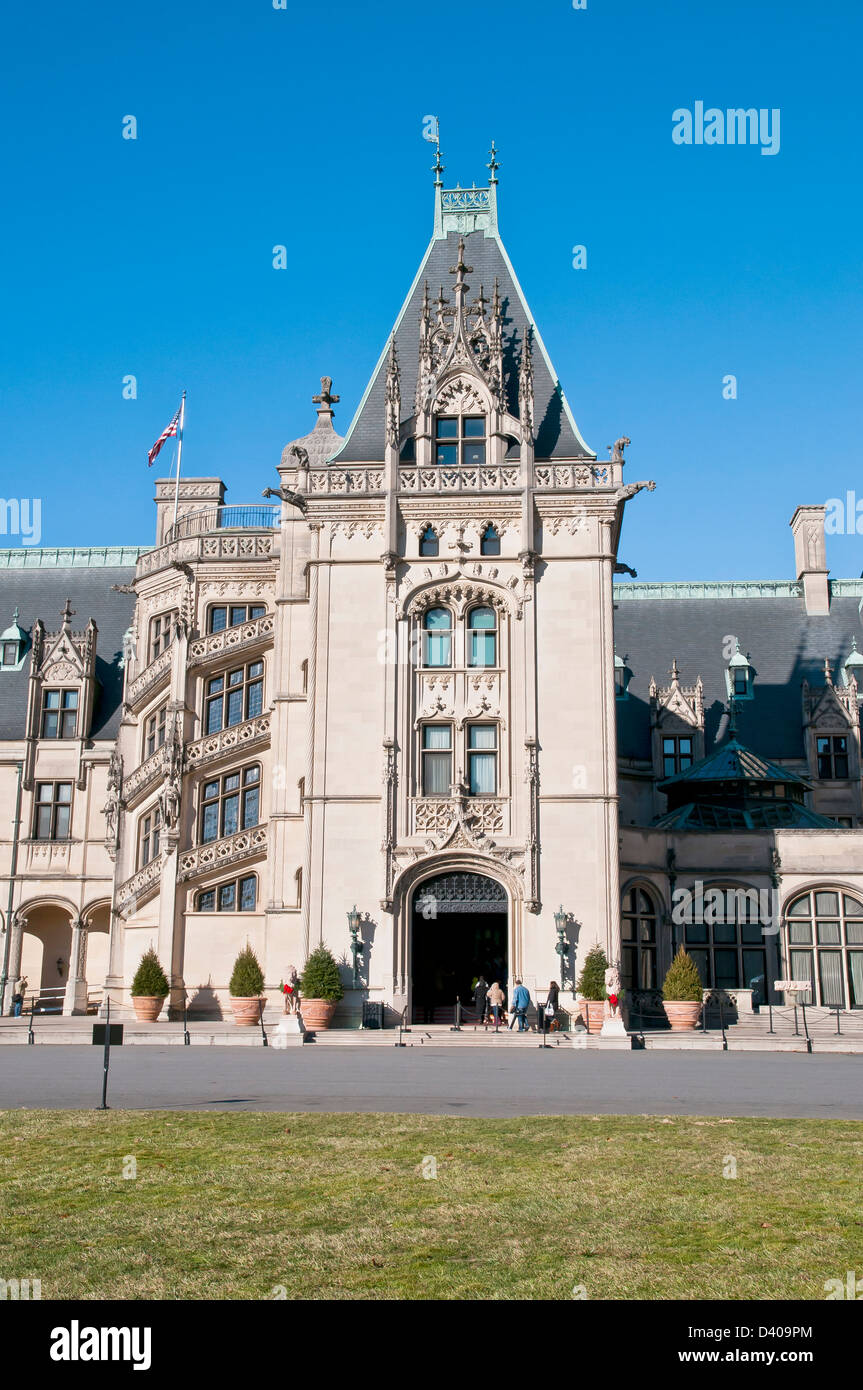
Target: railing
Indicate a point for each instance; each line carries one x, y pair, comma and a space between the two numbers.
231, 849
230, 639
244, 517
211, 746
464, 478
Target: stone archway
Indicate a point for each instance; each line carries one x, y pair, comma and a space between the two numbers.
459, 929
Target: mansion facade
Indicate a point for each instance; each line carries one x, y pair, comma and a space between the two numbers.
404, 707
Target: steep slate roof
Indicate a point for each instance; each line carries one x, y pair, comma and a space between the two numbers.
785, 645
557, 434
40, 592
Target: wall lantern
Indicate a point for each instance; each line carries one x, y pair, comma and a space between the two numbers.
357, 947
561, 920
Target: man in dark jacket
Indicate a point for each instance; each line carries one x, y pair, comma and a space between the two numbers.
480, 990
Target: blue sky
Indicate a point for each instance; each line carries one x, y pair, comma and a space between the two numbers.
303, 127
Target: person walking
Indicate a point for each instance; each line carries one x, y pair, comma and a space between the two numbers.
19, 996
550, 1007
496, 1000
520, 1004
480, 994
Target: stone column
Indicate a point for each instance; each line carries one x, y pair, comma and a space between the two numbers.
16, 926
75, 998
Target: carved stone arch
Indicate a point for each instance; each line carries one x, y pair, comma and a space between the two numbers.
461, 393
459, 594
410, 878
48, 900
89, 912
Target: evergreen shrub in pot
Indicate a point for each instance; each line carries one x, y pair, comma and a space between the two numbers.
682, 993
320, 988
591, 986
247, 988
149, 988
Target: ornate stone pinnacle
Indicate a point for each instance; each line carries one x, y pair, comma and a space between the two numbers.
438, 167
68, 613
325, 399
493, 164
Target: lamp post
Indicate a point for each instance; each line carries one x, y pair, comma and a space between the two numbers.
561, 919
356, 945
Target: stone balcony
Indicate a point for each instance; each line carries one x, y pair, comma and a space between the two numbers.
228, 641
248, 532
251, 733
223, 854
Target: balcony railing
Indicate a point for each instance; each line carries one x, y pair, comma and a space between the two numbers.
247, 517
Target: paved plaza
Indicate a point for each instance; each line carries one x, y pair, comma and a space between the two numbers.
482, 1081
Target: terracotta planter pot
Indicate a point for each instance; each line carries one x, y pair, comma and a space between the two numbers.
247, 1011
147, 1006
317, 1012
682, 1014
595, 1014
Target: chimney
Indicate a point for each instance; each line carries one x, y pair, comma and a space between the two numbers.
807, 526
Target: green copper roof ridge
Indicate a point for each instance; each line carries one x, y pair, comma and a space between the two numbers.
72, 556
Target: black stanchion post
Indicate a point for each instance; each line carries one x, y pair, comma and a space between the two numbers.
106, 1060
770, 1012
838, 1029
186, 1038
30, 1035
261, 1021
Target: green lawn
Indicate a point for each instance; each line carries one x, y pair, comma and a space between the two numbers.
336, 1206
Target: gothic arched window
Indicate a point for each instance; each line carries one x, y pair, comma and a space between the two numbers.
482, 637
459, 439
639, 919
438, 637
825, 946
429, 543
489, 541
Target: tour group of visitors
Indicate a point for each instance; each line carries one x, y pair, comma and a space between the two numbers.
490, 1003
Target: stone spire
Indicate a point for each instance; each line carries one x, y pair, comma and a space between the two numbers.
393, 396
525, 385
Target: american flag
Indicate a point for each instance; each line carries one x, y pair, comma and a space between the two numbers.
166, 434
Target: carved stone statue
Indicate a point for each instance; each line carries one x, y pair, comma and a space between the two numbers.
612, 989
292, 991
169, 802
619, 446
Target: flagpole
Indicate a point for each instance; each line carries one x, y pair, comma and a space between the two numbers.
179, 455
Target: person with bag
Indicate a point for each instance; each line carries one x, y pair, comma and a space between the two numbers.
480, 994
550, 1007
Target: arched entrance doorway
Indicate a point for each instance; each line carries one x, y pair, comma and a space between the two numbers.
459, 931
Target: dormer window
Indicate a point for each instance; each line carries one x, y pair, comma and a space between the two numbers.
740, 676
622, 677
459, 439
852, 667
59, 713
13, 643
489, 543
429, 543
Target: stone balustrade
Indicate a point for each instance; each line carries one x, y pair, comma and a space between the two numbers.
213, 746
230, 640
230, 850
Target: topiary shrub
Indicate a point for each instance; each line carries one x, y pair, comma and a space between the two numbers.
247, 980
321, 978
591, 981
682, 984
150, 978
